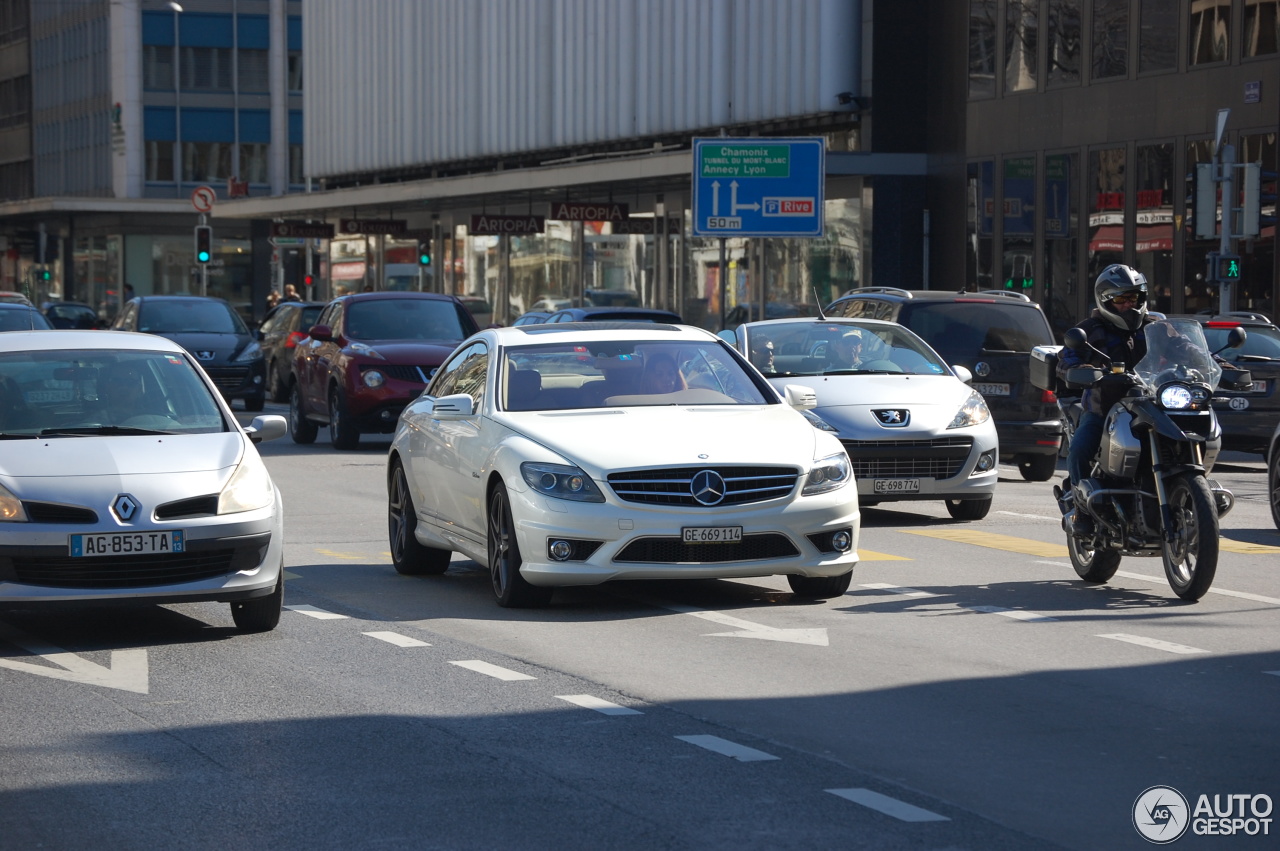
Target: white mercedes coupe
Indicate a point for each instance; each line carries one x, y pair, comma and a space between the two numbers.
578, 453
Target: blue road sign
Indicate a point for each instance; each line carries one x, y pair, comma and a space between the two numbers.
758, 186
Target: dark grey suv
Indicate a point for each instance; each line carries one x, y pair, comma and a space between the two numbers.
990, 333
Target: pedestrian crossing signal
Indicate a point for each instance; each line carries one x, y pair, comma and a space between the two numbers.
1228, 268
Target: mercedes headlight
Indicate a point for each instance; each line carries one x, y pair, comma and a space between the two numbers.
1175, 397
249, 488
973, 412
11, 510
562, 481
828, 474
251, 352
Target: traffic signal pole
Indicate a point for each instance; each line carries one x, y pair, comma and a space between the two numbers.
204, 267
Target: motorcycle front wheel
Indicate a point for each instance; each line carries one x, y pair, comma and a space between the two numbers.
1091, 565
1191, 558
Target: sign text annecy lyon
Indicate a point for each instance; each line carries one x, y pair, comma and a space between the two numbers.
483, 225
753, 161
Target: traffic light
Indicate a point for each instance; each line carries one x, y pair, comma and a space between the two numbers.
1228, 268
44, 274
424, 252
204, 244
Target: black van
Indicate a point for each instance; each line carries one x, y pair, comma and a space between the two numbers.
990, 333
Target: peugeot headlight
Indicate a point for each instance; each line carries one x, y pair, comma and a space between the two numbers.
818, 422
11, 510
249, 488
827, 474
251, 352
366, 350
973, 412
562, 481
1175, 397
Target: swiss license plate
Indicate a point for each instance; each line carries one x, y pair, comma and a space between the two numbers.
991, 389
1259, 386
711, 534
897, 486
126, 544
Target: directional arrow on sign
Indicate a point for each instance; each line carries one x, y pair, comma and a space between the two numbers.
127, 671
734, 206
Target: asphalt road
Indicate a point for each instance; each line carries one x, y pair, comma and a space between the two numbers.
967, 692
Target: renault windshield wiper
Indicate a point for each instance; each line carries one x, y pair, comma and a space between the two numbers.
100, 429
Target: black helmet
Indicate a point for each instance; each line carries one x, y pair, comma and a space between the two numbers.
1118, 279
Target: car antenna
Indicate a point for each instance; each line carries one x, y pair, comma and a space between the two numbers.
817, 301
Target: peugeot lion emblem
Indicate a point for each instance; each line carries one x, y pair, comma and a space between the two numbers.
204, 355
707, 487
982, 368
124, 506
893, 417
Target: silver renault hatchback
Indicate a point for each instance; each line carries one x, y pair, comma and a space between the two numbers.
125, 476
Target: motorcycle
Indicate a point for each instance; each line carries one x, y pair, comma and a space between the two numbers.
1148, 493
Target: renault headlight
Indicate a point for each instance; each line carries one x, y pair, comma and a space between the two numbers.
561, 481
11, 510
1175, 397
249, 489
828, 474
973, 412
251, 352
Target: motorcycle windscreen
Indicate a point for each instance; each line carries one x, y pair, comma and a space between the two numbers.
1178, 351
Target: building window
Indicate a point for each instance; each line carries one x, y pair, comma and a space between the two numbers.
296, 175
1210, 32
1261, 27
253, 162
1063, 34
204, 161
1021, 37
15, 181
15, 101
1157, 36
160, 161
1110, 38
1061, 220
205, 69
981, 204
157, 67
1106, 209
13, 21
1154, 243
295, 70
253, 71
982, 48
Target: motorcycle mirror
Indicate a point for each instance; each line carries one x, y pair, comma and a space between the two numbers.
1075, 339
1235, 339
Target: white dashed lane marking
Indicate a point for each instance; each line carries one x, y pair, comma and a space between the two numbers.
895, 589
1154, 643
312, 611
1016, 614
492, 670
741, 753
587, 701
900, 810
397, 639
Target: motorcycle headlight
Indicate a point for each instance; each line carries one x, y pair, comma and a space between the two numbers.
561, 481
249, 488
973, 412
251, 352
11, 510
827, 474
818, 422
1175, 397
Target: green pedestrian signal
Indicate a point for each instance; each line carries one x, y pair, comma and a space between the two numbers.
1228, 268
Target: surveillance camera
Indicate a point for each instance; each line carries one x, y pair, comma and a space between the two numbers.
845, 98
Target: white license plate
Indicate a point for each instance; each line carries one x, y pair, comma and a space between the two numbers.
991, 389
126, 544
897, 486
1259, 386
711, 534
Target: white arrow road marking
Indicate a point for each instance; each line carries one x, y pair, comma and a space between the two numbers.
397, 639
889, 806
588, 701
741, 753
1154, 643
127, 672
492, 670
318, 614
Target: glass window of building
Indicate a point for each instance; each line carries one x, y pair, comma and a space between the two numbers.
1157, 36
1021, 37
295, 71
1110, 38
159, 161
297, 175
253, 162
1106, 209
1154, 214
203, 161
981, 205
1210, 32
252, 71
1062, 32
982, 48
1061, 218
1197, 293
1258, 266
1019, 207
205, 68
1261, 27
157, 67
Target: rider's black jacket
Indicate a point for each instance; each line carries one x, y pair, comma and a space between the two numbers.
1127, 346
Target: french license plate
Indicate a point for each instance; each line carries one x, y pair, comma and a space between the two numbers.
897, 486
126, 544
711, 534
991, 389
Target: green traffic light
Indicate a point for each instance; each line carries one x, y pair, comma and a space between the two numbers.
203, 257
424, 259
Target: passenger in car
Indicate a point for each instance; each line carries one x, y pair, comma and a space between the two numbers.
661, 375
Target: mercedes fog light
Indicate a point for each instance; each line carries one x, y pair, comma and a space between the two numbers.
561, 550
842, 540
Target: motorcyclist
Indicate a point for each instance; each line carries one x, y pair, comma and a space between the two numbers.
1117, 328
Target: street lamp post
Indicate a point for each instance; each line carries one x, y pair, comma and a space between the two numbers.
177, 101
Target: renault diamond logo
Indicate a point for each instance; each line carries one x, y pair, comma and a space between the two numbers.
893, 417
204, 355
707, 487
125, 507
